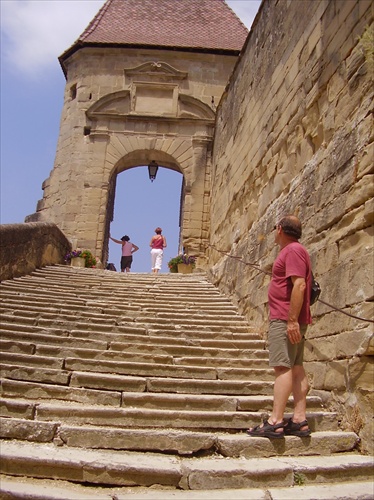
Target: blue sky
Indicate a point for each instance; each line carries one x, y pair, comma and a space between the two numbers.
34, 33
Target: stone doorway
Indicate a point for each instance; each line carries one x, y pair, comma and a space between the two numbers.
141, 205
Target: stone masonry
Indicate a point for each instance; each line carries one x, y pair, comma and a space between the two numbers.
294, 134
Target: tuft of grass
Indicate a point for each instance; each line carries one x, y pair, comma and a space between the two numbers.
298, 479
366, 44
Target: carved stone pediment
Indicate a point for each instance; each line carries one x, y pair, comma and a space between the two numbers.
115, 104
189, 107
154, 71
147, 99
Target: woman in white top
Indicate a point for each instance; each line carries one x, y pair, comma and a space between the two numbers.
157, 244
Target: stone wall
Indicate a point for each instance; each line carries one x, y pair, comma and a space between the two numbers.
26, 247
294, 134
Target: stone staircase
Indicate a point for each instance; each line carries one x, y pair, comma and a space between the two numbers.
142, 386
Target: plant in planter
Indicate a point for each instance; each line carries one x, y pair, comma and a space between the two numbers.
90, 260
181, 259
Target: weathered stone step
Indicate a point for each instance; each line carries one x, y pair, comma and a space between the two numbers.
86, 414
125, 324
134, 468
146, 279
186, 401
89, 290
39, 346
111, 305
55, 319
182, 442
19, 388
135, 368
130, 343
122, 282
11, 407
130, 328
31, 306
23, 488
33, 365
126, 332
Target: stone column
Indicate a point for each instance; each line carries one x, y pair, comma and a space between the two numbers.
196, 202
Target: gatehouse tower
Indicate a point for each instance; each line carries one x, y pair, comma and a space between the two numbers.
142, 83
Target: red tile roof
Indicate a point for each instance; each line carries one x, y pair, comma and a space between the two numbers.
190, 24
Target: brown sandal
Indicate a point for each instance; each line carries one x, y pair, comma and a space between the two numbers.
267, 430
294, 428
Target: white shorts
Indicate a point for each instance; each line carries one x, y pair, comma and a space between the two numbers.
156, 257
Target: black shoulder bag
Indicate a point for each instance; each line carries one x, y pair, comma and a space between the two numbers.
315, 291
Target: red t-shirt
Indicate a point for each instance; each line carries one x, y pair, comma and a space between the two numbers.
292, 260
158, 243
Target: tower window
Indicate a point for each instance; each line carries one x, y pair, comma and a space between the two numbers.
73, 91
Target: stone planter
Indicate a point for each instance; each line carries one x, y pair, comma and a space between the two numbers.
78, 262
185, 268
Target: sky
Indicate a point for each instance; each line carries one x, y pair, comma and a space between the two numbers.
34, 33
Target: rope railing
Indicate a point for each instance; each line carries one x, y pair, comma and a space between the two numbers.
258, 268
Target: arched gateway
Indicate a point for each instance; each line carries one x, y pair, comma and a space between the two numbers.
142, 83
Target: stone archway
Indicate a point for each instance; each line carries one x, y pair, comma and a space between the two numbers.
190, 158
164, 125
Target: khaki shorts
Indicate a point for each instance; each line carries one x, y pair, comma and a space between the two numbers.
281, 351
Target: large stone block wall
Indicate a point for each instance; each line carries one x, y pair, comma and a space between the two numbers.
294, 134
26, 247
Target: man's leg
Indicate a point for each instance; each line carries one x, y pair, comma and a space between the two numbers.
300, 387
282, 390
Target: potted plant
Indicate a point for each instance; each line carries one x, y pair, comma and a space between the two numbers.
80, 258
182, 263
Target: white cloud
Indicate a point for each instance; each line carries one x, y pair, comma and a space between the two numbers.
36, 32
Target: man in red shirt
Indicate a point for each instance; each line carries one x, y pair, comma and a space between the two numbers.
289, 304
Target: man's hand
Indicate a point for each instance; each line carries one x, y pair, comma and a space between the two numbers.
293, 332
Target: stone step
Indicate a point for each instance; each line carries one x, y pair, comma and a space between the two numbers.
13, 488
33, 368
116, 342
10, 329
39, 346
124, 468
192, 293
22, 488
117, 416
156, 290
182, 442
102, 324
159, 401
32, 306
202, 322
130, 334
113, 306
97, 395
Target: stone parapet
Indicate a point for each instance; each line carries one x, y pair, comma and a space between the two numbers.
25, 247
